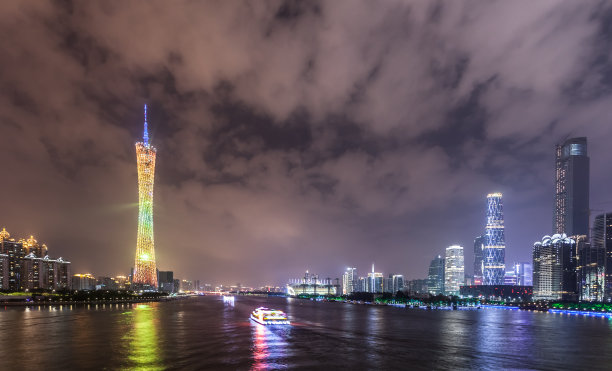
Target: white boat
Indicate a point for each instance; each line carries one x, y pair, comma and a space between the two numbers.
265, 316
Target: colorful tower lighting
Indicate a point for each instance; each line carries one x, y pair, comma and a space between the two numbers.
145, 269
494, 252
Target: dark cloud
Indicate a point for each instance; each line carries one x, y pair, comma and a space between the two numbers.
295, 135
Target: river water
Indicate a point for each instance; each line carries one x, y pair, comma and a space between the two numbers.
205, 333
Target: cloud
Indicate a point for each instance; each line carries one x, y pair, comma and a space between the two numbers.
294, 135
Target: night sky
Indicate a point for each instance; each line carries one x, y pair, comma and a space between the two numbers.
296, 135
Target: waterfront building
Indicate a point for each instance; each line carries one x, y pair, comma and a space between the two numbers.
397, 283
524, 274
165, 281
375, 282
510, 278
497, 292
123, 282
435, 278
602, 242
494, 252
24, 267
571, 213
83, 282
349, 281
310, 284
106, 283
31, 246
15, 252
361, 285
418, 286
61, 274
186, 286
4, 272
590, 260
554, 268
454, 270
145, 266
479, 243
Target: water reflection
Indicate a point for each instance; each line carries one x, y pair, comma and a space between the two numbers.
142, 341
375, 344
269, 346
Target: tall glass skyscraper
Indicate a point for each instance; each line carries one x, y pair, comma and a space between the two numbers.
454, 270
494, 252
478, 248
349, 281
572, 188
602, 242
435, 279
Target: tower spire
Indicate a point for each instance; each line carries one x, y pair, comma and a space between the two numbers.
145, 137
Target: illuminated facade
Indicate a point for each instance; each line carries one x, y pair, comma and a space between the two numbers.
25, 265
602, 243
349, 281
554, 268
478, 248
145, 273
435, 278
494, 252
397, 283
590, 266
454, 270
571, 214
310, 284
83, 282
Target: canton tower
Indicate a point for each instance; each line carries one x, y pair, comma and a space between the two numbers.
145, 270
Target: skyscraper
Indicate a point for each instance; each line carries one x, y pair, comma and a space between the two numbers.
145, 272
494, 252
435, 278
349, 281
524, 274
590, 267
478, 248
602, 242
454, 270
554, 268
397, 283
572, 188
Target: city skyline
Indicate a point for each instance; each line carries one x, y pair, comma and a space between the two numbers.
294, 152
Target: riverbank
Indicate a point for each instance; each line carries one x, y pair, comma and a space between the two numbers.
84, 299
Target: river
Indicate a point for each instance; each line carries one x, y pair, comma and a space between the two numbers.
206, 333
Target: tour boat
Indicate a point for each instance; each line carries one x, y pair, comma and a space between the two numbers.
265, 316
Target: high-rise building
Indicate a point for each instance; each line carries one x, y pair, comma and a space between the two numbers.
349, 281
590, 259
375, 282
510, 277
397, 283
524, 274
165, 280
479, 243
454, 270
602, 241
83, 282
494, 252
145, 268
572, 188
362, 285
554, 268
435, 278
418, 286
24, 267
